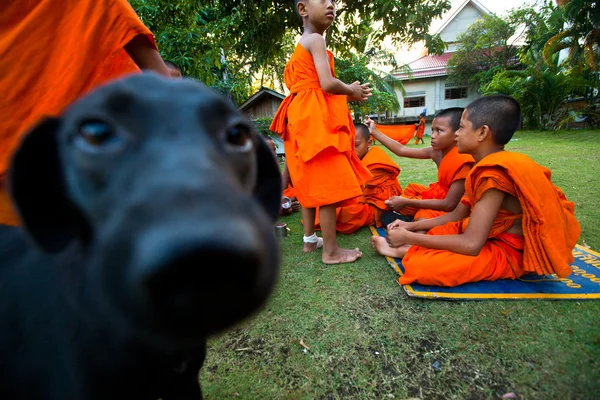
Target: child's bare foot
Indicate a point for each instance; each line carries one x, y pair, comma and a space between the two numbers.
341, 256
382, 247
310, 247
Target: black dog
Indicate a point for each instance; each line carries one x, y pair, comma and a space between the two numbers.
147, 213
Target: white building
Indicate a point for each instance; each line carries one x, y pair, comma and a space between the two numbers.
426, 87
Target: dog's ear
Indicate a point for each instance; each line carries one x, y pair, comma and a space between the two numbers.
37, 187
268, 181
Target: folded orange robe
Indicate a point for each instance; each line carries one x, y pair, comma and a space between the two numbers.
383, 185
420, 130
400, 133
454, 166
318, 135
550, 230
52, 52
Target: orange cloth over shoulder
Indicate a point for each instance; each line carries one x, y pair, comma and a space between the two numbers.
400, 133
383, 185
318, 135
51, 53
454, 166
550, 230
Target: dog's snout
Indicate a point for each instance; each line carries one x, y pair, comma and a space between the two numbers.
199, 275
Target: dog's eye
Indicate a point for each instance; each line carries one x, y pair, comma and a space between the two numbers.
239, 136
96, 133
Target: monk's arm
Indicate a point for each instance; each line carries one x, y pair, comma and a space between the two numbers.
315, 44
449, 203
399, 149
458, 214
472, 240
145, 56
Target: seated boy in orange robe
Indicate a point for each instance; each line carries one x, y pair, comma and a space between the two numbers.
318, 133
379, 188
445, 194
513, 220
52, 52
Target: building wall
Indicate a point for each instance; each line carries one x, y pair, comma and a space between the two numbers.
459, 24
434, 91
265, 107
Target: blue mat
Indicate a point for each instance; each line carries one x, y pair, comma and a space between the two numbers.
582, 284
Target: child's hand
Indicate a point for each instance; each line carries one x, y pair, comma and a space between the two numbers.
395, 203
398, 224
397, 237
369, 123
360, 92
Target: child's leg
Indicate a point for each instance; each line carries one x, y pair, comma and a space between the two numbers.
308, 218
332, 254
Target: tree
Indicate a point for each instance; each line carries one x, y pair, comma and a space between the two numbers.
581, 35
230, 44
362, 68
484, 50
540, 87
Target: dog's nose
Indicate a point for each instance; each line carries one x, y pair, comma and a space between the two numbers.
201, 274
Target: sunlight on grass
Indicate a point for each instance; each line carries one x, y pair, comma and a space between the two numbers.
368, 340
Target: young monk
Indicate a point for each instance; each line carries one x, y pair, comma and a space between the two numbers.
318, 133
420, 129
52, 53
379, 188
513, 220
445, 194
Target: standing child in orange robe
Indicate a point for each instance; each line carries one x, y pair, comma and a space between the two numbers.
420, 129
318, 132
513, 220
52, 52
445, 194
383, 185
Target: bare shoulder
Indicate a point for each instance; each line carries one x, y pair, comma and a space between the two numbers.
313, 41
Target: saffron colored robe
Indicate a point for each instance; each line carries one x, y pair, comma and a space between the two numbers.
318, 135
51, 53
420, 130
400, 133
454, 166
383, 185
550, 230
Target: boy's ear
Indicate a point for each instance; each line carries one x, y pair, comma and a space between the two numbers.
301, 8
484, 133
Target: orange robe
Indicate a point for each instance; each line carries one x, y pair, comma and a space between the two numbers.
550, 230
420, 130
400, 133
50, 54
454, 166
318, 135
289, 191
383, 185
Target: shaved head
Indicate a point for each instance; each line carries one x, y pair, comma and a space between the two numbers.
363, 131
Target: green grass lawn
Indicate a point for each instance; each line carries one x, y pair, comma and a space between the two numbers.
369, 340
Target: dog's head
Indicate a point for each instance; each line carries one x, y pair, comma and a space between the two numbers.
171, 193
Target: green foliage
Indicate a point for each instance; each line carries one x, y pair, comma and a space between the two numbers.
484, 50
262, 126
581, 35
232, 45
363, 68
542, 88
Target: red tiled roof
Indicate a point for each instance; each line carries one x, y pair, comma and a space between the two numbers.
427, 66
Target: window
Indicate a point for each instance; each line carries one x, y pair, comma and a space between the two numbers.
456, 93
414, 102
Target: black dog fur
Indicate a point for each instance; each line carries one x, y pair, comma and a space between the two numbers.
147, 213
